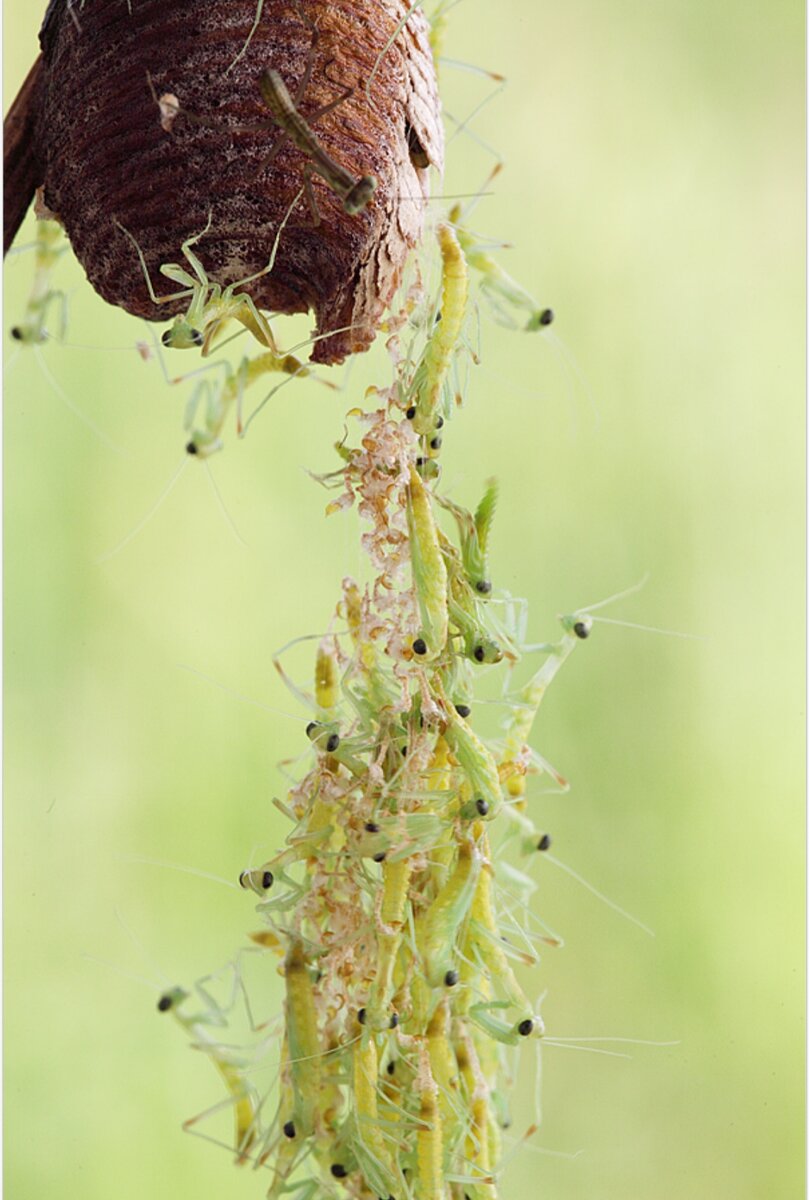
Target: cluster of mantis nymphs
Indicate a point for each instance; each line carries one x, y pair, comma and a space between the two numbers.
391, 907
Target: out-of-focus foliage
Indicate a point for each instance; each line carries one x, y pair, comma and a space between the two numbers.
654, 193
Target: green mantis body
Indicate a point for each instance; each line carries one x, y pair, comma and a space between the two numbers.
478, 765
521, 719
217, 399
243, 1095
210, 304
304, 1043
504, 294
431, 373
369, 1145
49, 246
429, 570
464, 610
447, 912
474, 537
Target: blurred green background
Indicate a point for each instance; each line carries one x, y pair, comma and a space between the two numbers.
654, 194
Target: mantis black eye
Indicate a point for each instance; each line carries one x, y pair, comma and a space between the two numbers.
546, 316
310, 728
410, 414
17, 334
361, 1016
419, 646
165, 1003
289, 1129
338, 1171
191, 448
333, 742
525, 1027
196, 337
463, 710
481, 806
479, 654
544, 842
251, 880
435, 443
483, 586
165, 337
379, 857
582, 629
451, 978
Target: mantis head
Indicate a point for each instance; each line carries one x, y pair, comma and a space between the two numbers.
581, 626
182, 336
481, 648
358, 196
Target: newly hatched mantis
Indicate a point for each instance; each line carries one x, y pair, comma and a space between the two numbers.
50, 244
217, 399
304, 1043
354, 191
431, 373
429, 571
211, 304
474, 536
508, 300
243, 1095
447, 913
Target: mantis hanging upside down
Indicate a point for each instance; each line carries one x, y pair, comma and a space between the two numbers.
354, 191
211, 305
217, 398
49, 246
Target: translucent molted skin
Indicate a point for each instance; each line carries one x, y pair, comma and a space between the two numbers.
104, 156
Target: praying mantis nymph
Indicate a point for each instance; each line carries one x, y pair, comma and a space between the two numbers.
210, 304
303, 1039
395, 882
218, 399
474, 535
505, 296
431, 373
576, 628
355, 192
478, 765
429, 1182
429, 571
447, 913
49, 246
243, 1095
369, 1146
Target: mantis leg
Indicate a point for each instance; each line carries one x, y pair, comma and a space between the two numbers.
196, 265
300, 91
308, 171
271, 153
253, 320
332, 104
152, 295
